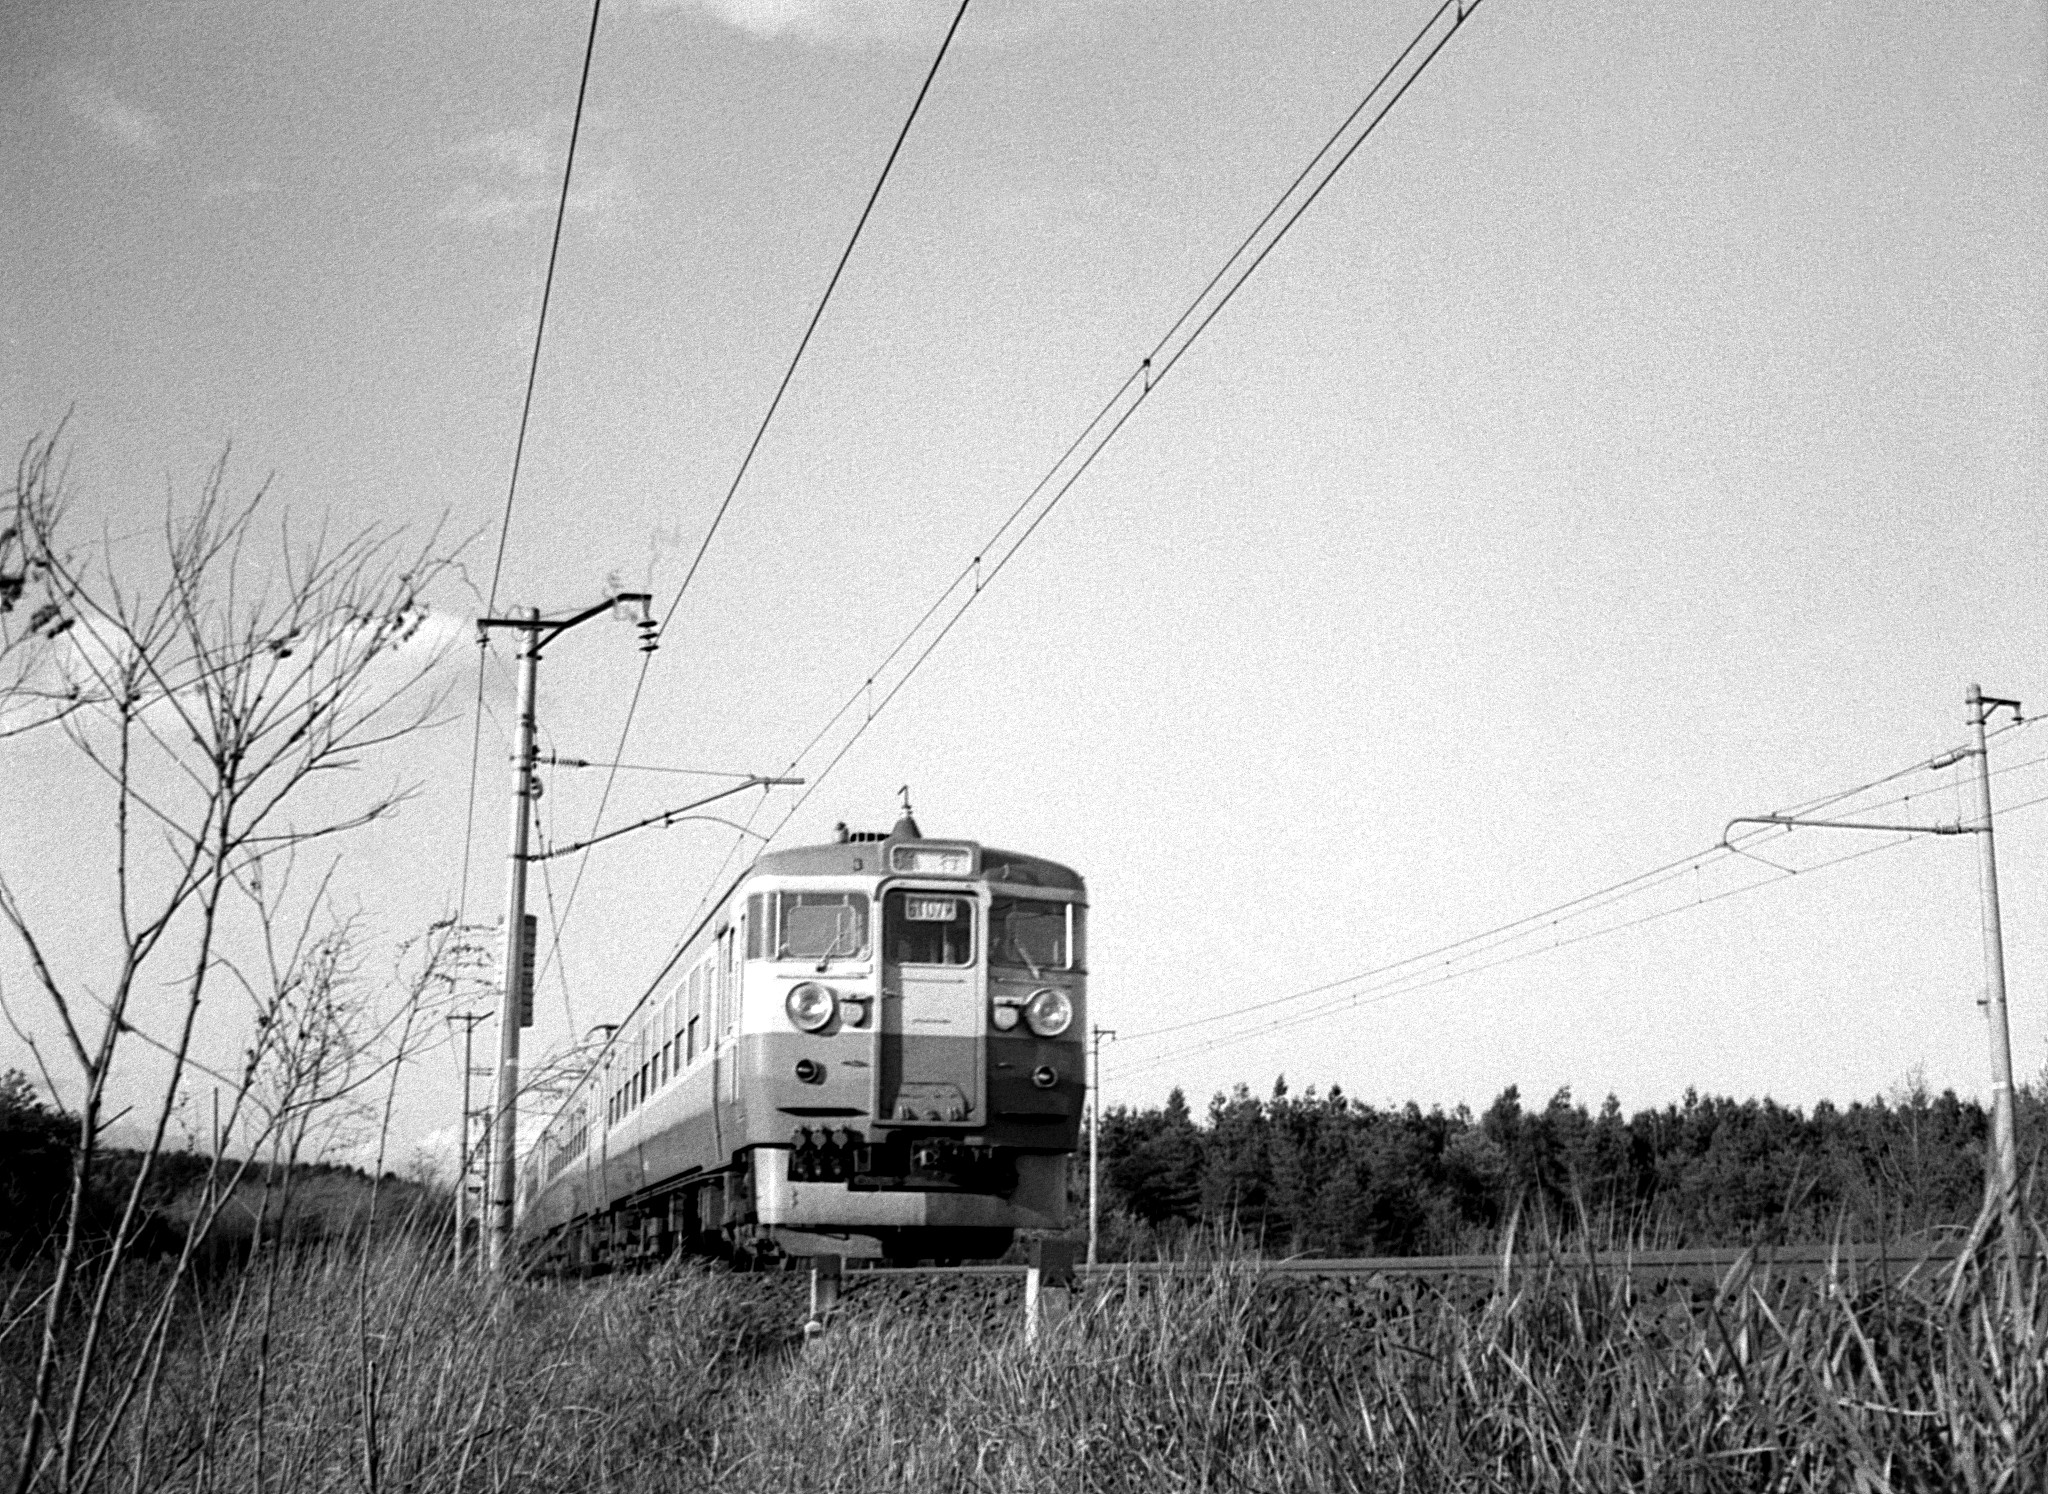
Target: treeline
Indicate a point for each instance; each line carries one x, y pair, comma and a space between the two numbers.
1329, 1175
303, 1202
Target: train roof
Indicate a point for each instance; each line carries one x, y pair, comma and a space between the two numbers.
856, 853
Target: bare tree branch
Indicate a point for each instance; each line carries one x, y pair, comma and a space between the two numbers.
209, 694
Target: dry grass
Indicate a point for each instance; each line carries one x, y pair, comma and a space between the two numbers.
404, 1376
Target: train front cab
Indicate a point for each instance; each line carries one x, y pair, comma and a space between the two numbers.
916, 1085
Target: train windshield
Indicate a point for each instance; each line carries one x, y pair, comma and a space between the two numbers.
1033, 934
807, 926
928, 928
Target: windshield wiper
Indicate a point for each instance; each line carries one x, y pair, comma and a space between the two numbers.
832, 954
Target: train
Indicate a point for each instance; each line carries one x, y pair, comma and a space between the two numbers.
871, 1048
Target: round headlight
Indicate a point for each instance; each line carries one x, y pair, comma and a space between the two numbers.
1049, 1013
810, 1005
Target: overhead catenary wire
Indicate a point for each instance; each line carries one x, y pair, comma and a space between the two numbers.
1399, 984
547, 289
1374, 996
555, 962
817, 314
1108, 420
1424, 979
1583, 904
604, 798
760, 433
666, 818
980, 572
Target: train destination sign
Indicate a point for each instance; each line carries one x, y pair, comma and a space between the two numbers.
944, 861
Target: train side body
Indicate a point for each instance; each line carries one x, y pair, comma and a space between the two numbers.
872, 1048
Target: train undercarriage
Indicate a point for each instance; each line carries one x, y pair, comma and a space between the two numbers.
898, 1201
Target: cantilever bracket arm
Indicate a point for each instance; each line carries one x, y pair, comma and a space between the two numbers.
666, 818
547, 630
1955, 828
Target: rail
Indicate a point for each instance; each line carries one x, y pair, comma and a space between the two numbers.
1801, 1258
1053, 1269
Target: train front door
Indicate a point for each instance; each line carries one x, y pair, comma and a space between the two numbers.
930, 1069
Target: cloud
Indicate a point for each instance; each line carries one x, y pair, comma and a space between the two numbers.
816, 20
440, 1140
518, 153
910, 23
136, 130
511, 176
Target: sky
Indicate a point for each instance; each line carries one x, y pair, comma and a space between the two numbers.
1645, 429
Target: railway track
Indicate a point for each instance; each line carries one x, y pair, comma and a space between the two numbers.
1054, 1276
1698, 1265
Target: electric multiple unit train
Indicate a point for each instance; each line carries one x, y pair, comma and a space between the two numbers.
871, 1048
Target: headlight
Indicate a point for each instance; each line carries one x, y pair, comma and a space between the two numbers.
810, 1005
1049, 1013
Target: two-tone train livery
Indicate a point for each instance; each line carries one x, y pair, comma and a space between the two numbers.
869, 1048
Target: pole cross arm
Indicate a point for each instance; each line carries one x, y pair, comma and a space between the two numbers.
516, 979
1953, 828
666, 818
2002, 1156
546, 630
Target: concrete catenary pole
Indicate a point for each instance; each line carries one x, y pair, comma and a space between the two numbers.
1095, 1138
2004, 1151
504, 1128
515, 1008
2003, 1164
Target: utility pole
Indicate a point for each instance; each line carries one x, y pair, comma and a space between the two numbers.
463, 1155
1096, 1034
2004, 1161
515, 1008
2002, 1144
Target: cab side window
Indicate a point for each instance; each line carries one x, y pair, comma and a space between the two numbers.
1031, 933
